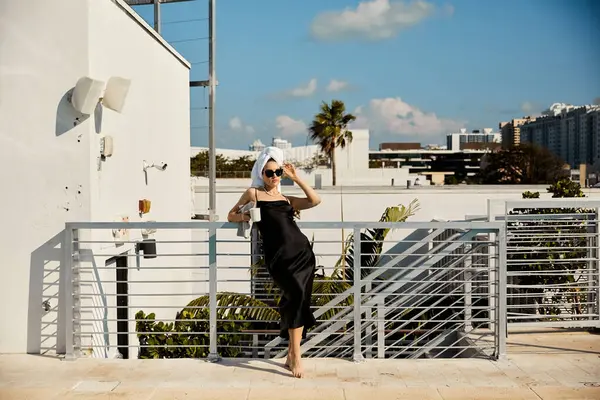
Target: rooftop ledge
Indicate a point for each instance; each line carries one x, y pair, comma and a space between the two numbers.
140, 21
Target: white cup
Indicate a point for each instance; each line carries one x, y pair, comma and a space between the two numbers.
255, 214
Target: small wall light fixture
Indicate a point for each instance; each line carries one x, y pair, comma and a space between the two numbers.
88, 92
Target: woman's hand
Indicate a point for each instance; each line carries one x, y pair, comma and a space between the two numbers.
290, 171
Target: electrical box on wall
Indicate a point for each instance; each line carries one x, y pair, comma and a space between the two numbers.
106, 146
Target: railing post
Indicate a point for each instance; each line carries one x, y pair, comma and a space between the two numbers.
594, 277
357, 298
381, 328
369, 328
502, 321
493, 270
468, 291
66, 310
213, 354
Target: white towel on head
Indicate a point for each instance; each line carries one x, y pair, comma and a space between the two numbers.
269, 152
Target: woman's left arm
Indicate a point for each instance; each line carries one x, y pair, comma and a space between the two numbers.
311, 200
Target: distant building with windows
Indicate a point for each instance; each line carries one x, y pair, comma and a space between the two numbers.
474, 140
257, 145
435, 164
281, 143
570, 132
511, 131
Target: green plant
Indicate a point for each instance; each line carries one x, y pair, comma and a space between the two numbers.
531, 195
565, 188
450, 180
226, 167
187, 336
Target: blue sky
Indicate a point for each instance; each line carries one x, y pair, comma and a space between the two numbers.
410, 70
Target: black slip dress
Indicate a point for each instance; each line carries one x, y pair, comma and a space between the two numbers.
290, 260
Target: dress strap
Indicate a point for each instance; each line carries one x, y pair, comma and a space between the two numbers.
256, 194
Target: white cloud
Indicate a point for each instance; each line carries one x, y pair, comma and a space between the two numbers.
393, 115
236, 125
288, 126
304, 91
527, 107
374, 19
336, 86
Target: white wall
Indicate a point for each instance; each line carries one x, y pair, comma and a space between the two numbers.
53, 178
356, 204
45, 157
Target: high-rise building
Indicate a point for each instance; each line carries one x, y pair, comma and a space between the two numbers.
511, 131
570, 132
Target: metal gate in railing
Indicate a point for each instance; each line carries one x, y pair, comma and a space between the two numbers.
193, 289
553, 262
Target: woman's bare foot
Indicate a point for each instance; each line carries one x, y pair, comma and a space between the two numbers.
296, 367
288, 360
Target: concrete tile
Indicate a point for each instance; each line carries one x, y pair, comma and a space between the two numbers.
393, 394
95, 386
200, 394
296, 394
114, 395
11, 393
566, 393
487, 393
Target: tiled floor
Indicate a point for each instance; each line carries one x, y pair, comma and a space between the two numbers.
539, 367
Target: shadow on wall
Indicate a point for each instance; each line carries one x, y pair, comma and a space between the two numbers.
66, 116
44, 279
98, 117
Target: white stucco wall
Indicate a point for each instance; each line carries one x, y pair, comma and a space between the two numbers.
51, 175
367, 204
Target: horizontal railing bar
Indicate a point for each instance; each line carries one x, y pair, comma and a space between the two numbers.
544, 285
557, 261
483, 226
537, 295
559, 236
512, 250
584, 272
144, 268
554, 203
141, 240
554, 316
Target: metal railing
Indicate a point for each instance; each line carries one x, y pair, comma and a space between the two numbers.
553, 262
196, 289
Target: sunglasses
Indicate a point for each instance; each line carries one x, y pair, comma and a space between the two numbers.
271, 173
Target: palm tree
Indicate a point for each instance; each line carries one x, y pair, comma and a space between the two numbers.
329, 130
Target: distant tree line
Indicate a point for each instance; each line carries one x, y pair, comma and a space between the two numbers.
226, 167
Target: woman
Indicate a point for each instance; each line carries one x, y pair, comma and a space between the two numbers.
288, 253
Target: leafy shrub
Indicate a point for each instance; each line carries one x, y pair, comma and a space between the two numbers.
188, 336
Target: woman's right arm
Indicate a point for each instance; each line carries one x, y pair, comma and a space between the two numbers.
233, 215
